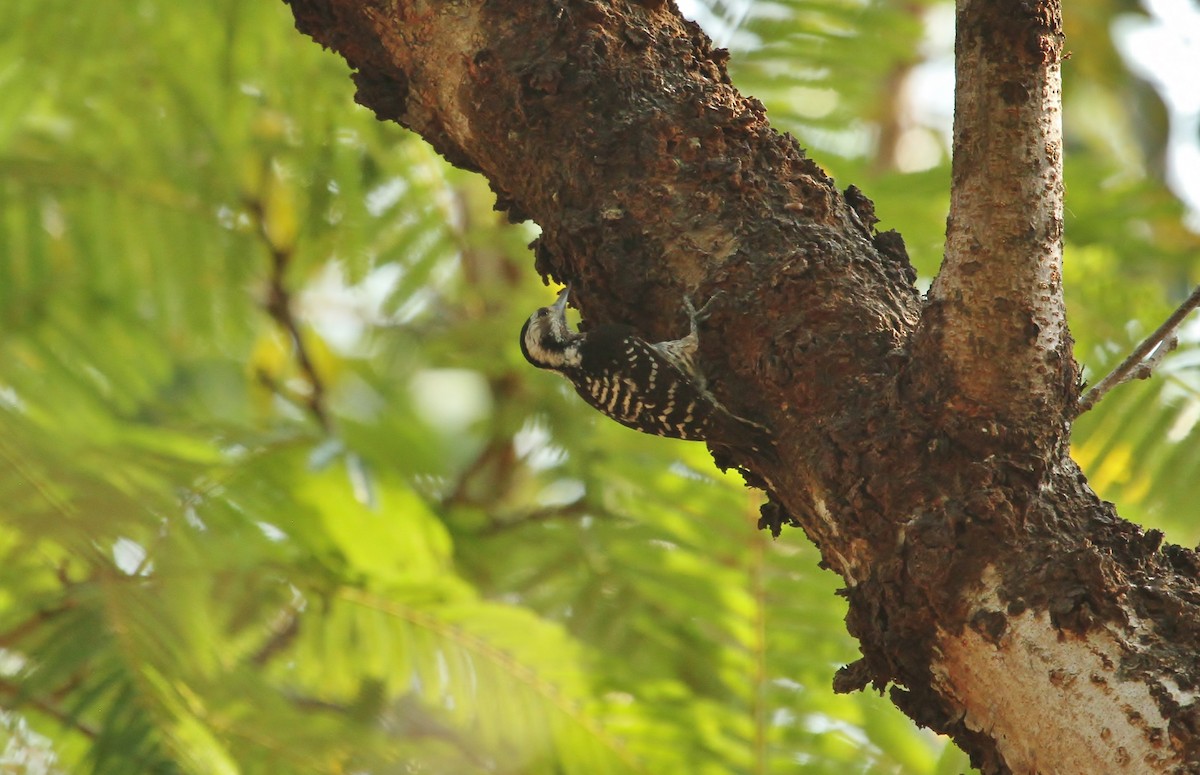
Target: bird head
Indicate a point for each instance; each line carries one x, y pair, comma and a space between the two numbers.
546, 340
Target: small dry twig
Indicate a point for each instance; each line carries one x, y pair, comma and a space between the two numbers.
1145, 357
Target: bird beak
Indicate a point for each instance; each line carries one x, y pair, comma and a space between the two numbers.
560, 306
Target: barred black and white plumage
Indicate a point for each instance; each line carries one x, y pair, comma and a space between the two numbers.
653, 388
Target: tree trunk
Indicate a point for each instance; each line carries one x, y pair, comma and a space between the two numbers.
922, 444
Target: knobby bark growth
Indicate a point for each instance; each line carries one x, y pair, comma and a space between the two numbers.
922, 443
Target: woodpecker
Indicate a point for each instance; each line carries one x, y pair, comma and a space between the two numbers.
652, 388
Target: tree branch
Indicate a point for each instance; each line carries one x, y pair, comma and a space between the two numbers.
997, 320
927, 465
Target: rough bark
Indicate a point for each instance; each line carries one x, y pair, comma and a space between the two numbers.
921, 445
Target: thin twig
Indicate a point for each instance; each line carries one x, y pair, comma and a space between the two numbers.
497, 456
1138, 364
15, 696
284, 630
279, 307
11, 637
572, 510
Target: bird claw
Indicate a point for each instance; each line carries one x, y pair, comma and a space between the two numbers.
684, 350
696, 316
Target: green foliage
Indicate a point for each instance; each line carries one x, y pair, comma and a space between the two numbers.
439, 561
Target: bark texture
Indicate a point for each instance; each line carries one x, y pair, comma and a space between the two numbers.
922, 445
